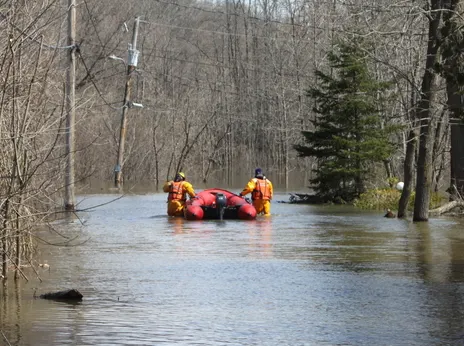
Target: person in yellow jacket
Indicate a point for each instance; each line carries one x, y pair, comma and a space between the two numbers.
178, 190
261, 192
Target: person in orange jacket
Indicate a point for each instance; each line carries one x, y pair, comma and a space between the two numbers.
261, 192
178, 190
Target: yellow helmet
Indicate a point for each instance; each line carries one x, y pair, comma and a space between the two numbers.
181, 174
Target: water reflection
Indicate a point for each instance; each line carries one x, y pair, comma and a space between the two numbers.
438, 258
177, 224
304, 276
260, 237
18, 303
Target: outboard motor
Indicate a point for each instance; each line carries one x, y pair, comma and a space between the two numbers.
221, 202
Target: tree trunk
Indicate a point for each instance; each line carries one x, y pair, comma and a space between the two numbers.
424, 182
453, 69
457, 156
408, 173
455, 104
426, 115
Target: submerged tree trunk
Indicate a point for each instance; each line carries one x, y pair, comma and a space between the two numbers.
426, 115
424, 182
457, 158
452, 68
455, 105
408, 173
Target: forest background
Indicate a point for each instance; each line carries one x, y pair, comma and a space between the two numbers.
224, 87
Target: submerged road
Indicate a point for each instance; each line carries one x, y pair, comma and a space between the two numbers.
307, 275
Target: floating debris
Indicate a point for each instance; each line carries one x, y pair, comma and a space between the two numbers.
67, 295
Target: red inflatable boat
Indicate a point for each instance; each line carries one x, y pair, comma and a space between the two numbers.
218, 204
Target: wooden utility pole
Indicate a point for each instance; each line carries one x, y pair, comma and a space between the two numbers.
131, 65
69, 203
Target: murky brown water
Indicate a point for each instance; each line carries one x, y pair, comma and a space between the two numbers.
305, 276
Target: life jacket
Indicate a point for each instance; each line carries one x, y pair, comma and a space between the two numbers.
176, 192
262, 189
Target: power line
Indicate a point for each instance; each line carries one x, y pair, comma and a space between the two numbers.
306, 26
170, 58
266, 20
251, 68
23, 33
228, 33
96, 87
273, 38
109, 104
213, 64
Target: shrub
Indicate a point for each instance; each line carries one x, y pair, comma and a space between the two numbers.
388, 198
378, 199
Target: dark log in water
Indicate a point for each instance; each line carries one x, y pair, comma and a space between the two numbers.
67, 295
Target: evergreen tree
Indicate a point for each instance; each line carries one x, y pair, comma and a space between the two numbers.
348, 135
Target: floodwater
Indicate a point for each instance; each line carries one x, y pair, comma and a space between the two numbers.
307, 275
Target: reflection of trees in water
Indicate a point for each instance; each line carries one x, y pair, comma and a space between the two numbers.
438, 252
421, 249
18, 308
10, 312
456, 272
19, 311
440, 266
4, 307
356, 243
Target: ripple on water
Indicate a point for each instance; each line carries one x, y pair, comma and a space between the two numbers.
305, 276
